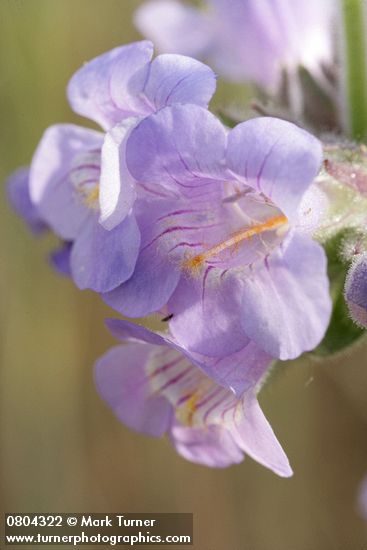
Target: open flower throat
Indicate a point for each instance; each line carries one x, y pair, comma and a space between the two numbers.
235, 240
197, 400
219, 228
85, 176
245, 230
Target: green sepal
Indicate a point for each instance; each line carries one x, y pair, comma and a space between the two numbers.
342, 331
227, 119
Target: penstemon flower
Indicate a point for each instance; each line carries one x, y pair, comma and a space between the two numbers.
226, 246
70, 168
154, 389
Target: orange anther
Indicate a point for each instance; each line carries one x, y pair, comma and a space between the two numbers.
194, 263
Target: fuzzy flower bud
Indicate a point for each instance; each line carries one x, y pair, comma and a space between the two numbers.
356, 290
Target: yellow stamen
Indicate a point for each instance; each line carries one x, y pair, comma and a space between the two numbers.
186, 413
194, 263
91, 197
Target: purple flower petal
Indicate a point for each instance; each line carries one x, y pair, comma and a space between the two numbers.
117, 189
275, 158
125, 330
52, 170
179, 79
173, 27
60, 259
238, 372
211, 446
206, 315
20, 200
247, 44
155, 276
254, 435
148, 290
101, 259
107, 88
123, 83
122, 382
165, 240
286, 304
170, 79
181, 148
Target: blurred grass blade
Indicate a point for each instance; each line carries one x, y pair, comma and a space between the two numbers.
354, 22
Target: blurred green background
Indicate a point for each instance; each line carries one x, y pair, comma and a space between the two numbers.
61, 448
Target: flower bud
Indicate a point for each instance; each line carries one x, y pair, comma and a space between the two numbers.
356, 290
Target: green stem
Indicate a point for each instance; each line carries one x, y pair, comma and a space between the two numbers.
355, 57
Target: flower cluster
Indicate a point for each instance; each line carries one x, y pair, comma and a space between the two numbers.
169, 212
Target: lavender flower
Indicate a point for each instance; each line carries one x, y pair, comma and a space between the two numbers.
362, 499
72, 174
154, 389
356, 290
20, 200
60, 259
224, 245
244, 39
